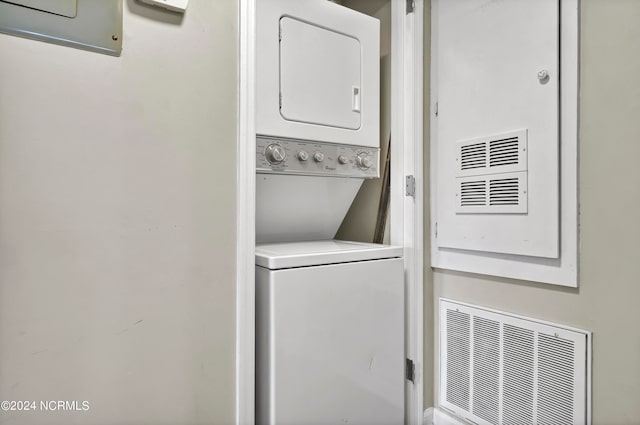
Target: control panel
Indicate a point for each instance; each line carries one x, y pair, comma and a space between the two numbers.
287, 156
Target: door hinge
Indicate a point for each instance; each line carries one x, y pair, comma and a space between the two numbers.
410, 370
410, 185
410, 6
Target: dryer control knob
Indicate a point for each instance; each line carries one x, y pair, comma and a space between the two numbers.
364, 161
303, 155
318, 157
275, 153
342, 159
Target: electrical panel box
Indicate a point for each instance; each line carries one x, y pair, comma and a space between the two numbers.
66, 8
94, 25
497, 78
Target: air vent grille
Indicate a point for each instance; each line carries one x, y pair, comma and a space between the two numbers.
504, 191
503, 152
492, 174
501, 369
458, 338
486, 371
518, 375
473, 156
473, 193
494, 194
555, 380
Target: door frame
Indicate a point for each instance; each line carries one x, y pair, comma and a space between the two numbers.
406, 222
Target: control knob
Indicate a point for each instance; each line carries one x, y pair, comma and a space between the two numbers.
364, 161
318, 157
275, 153
342, 159
303, 155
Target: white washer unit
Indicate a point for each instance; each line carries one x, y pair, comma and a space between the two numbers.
330, 334
317, 115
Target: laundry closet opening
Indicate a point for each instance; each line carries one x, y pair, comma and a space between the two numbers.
330, 288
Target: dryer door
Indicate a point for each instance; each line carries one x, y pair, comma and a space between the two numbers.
319, 75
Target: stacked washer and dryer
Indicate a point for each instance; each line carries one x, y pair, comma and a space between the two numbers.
329, 313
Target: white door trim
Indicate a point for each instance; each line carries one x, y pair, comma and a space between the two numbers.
245, 225
407, 160
406, 212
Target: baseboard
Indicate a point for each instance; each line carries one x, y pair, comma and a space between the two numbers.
436, 416
427, 419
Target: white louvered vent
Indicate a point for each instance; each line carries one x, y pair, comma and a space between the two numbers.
473, 156
458, 359
493, 194
486, 373
492, 174
501, 369
473, 193
501, 153
504, 152
504, 191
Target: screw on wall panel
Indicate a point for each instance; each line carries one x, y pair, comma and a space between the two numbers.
114, 37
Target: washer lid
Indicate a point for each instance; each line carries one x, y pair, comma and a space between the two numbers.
302, 254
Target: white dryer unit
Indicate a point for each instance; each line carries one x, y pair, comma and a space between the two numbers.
330, 334
318, 72
317, 115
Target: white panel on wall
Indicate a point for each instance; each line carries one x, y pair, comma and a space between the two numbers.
94, 25
498, 120
562, 270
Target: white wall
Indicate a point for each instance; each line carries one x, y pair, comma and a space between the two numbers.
117, 216
607, 300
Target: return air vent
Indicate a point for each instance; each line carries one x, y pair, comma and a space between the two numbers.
492, 194
501, 369
502, 153
458, 360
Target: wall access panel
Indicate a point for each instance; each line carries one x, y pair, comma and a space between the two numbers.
497, 77
504, 138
